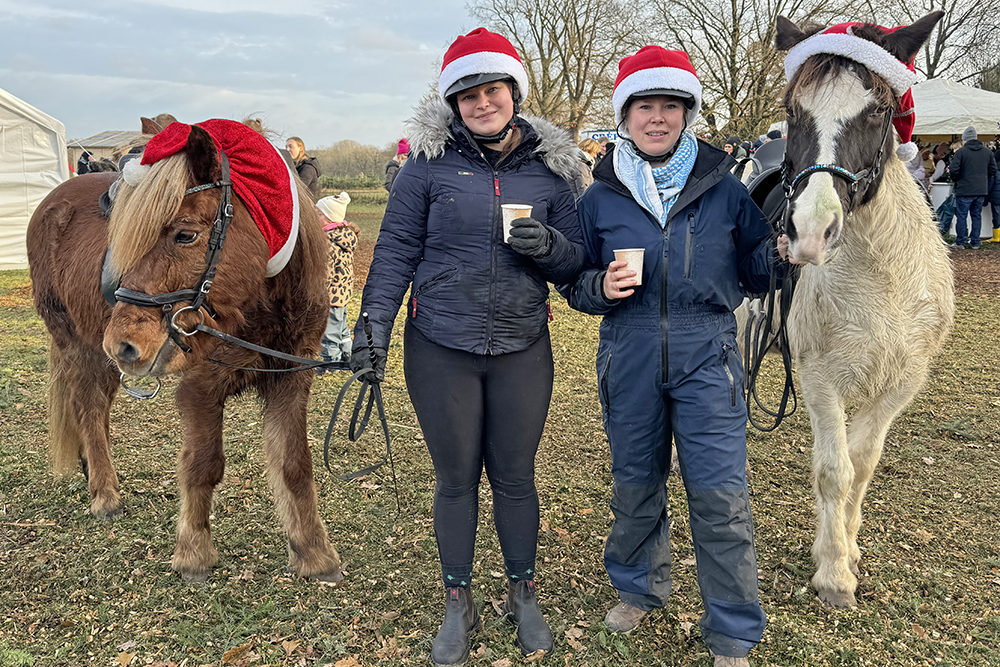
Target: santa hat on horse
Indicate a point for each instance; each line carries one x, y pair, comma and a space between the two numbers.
840, 40
260, 177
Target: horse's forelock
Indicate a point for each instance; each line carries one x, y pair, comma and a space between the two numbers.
141, 212
822, 66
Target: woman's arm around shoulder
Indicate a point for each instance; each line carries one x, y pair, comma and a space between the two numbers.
586, 292
565, 259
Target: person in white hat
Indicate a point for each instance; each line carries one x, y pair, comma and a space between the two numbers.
668, 365
478, 362
343, 237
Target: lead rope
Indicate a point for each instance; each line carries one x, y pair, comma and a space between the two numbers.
357, 428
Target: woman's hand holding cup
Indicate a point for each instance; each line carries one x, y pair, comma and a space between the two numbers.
619, 280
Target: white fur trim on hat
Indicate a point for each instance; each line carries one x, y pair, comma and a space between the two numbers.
133, 172
280, 258
869, 54
484, 62
672, 78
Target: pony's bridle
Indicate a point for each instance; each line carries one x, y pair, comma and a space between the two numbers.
858, 182
197, 294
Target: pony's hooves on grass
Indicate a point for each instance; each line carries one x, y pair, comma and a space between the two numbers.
195, 577
838, 599
108, 514
331, 577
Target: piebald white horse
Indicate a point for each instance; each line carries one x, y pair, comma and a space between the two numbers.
874, 302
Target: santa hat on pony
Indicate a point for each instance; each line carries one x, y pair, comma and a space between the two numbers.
260, 177
840, 40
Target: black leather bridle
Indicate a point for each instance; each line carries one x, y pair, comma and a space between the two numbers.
858, 182
198, 294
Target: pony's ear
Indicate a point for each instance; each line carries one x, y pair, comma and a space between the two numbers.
203, 156
906, 42
788, 34
150, 126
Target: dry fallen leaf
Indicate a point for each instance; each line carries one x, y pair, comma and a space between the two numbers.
686, 627
349, 661
536, 656
390, 616
235, 653
124, 658
502, 662
290, 647
929, 460
689, 561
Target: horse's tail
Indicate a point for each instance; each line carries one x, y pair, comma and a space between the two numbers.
64, 432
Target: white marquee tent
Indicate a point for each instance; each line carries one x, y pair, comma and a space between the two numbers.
946, 108
33, 160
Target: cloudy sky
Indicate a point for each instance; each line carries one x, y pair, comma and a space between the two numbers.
325, 70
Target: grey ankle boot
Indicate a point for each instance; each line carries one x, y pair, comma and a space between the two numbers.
533, 633
451, 646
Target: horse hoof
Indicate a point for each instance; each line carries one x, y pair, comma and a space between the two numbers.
838, 599
108, 514
334, 577
195, 577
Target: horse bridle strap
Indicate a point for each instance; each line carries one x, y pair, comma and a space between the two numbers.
864, 178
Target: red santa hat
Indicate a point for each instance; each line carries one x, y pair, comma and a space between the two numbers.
840, 40
260, 177
481, 52
654, 68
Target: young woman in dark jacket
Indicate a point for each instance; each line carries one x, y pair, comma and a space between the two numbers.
477, 358
668, 366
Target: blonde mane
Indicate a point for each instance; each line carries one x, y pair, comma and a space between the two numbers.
141, 212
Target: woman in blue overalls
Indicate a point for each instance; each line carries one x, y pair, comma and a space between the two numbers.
668, 366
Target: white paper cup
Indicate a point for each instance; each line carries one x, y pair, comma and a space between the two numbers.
633, 257
512, 212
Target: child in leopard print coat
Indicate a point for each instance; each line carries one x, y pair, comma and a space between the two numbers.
343, 239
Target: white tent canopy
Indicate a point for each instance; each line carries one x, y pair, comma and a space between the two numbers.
32, 161
945, 108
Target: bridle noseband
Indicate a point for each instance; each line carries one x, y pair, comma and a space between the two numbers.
858, 182
199, 292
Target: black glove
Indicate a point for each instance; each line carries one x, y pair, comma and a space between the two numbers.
361, 358
530, 237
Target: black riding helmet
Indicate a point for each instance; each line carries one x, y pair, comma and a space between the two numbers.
474, 80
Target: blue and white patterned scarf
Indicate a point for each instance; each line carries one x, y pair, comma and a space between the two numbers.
656, 190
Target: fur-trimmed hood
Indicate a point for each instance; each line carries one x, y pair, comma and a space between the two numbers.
429, 131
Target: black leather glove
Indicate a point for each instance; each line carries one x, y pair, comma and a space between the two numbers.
530, 237
361, 358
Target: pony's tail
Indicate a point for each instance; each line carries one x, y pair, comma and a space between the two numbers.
64, 433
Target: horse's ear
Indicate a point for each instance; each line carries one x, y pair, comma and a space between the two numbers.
906, 42
788, 34
150, 126
203, 156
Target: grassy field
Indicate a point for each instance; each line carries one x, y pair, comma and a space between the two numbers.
77, 591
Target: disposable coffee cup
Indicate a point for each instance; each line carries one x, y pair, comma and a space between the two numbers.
633, 257
512, 212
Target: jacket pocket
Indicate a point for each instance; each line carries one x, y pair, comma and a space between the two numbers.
727, 352
602, 386
689, 246
432, 283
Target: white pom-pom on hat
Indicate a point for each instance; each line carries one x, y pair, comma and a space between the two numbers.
906, 152
133, 172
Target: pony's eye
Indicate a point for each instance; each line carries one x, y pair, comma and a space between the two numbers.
186, 236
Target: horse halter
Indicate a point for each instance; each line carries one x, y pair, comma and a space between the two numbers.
199, 292
857, 181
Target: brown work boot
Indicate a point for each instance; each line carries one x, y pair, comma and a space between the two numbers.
624, 618
521, 607
729, 661
451, 646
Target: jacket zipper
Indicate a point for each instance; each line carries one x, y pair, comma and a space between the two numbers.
689, 246
664, 314
603, 387
493, 257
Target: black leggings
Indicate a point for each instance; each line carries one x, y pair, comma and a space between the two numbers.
478, 410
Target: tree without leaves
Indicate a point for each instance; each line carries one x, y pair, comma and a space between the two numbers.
965, 41
349, 158
731, 44
570, 50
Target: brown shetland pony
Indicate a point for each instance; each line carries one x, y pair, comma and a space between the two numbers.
151, 232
